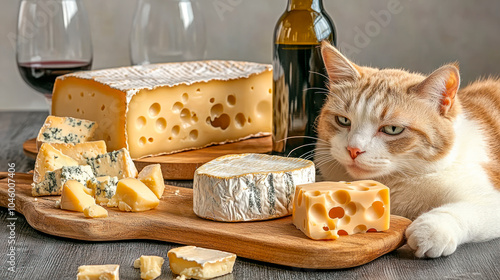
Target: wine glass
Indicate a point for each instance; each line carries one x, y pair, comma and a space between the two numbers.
167, 31
53, 38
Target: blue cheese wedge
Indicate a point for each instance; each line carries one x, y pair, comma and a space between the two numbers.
200, 263
116, 164
103, 188
50, 159
81, 151
54, 180
248, 187
65, 130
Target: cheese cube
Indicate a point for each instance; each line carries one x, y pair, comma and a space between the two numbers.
81, 151
326, 210
116, 163
98, 272
200, 263
150, 266
132, 195
54, 180
152, 177
103, 188
65, 130
75, 196
165, 108
50, 159
95, 211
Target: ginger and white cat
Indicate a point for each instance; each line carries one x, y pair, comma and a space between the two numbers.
435, 147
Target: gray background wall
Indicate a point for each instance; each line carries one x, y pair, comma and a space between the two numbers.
416, 35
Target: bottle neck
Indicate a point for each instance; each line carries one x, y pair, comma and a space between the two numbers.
315, 5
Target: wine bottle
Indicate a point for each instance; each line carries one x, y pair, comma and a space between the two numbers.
299, 76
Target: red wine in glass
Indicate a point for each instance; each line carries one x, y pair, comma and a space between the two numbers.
41, 75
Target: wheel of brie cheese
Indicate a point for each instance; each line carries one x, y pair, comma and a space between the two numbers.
248, 187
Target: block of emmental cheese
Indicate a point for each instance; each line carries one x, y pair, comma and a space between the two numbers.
81, 151
95, 211
132, 195
116, 164
248, 187
54, 180
150, 266
152, 177
325, 210
50, 159
103, 188
98, 272
75, 196
65, 130
200, 263
164, 108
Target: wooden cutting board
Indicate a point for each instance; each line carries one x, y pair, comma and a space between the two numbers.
274, 241
181, 166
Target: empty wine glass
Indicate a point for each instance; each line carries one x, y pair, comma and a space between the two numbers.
53, 38
167, 31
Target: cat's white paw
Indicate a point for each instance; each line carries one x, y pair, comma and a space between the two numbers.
433, 235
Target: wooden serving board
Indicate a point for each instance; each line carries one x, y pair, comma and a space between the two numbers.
274, 241
181, 166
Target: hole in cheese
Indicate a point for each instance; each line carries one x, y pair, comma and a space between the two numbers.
271, 90
193, 135
154, 110
344, 221
360, 229
161, 124
318, 212
150, 139
299, 199
141, 122
142, 141
185, 115
325, 228
177, 107
69, 96
371, 230
383, 196
360, 188
231, 100
351, 208
223, 121
93, 94
216, 110
249, 120
175, 130
185, 97
251, 88
194, 118
376, 211
263, 108
341, 197
240, 120
342, 232
212, 100
81, 94
336, 213
103, 107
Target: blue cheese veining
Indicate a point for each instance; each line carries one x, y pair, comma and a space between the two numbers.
54, 180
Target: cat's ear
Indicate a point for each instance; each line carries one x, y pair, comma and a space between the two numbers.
441, 87
338, 67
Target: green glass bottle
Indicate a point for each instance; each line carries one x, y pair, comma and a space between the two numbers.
299, 77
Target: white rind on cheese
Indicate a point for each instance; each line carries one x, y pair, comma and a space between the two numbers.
248, 187
166, 108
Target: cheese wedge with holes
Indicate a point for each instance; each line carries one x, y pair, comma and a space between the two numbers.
65, 130
75, 196
50, 159
53, 181
116, 164
200, 263
81, 151
248, 187
98, 272
152, 177
132, 195
150, 266
165, 108
325, 210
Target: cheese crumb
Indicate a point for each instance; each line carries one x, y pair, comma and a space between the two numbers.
180, 277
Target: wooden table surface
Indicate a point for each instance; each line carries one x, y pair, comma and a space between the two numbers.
42, 256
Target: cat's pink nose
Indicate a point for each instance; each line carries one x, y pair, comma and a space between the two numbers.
354, 152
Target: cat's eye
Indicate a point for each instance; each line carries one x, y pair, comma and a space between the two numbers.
343, 121
392, 130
